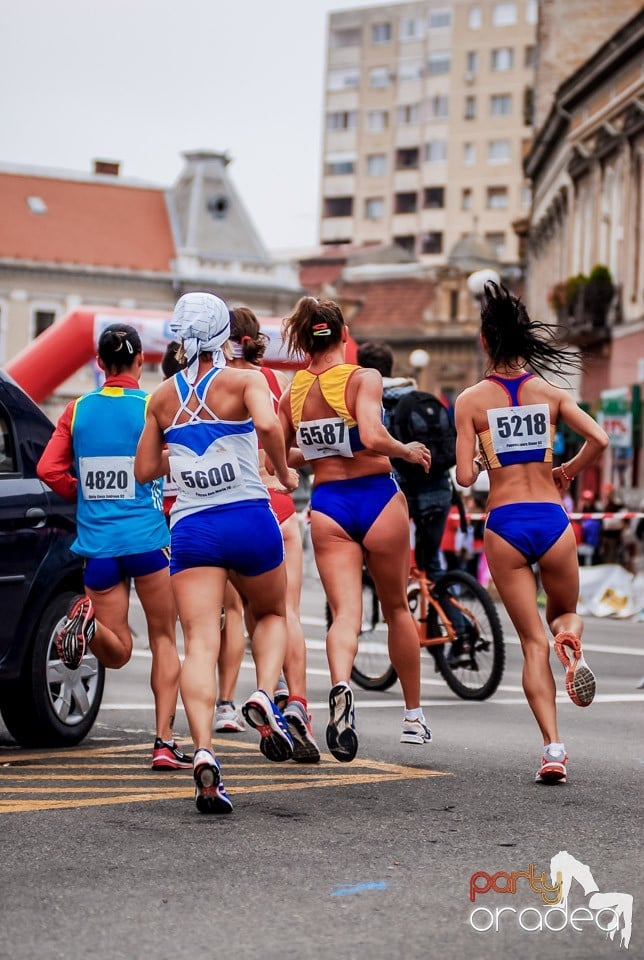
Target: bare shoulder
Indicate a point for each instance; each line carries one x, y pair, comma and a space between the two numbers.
469, 398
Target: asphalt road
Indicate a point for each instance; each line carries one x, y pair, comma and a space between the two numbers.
102, 858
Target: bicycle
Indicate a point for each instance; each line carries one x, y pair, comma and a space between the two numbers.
457, 624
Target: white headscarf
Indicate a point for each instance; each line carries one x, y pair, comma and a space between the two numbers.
202, 322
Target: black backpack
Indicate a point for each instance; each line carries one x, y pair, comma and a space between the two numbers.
421, 416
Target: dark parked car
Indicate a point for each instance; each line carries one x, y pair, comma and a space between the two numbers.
43, 702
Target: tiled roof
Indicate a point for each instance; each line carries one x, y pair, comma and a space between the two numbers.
387, 305
83, 222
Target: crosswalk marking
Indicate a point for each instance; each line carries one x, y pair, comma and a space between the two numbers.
89, 779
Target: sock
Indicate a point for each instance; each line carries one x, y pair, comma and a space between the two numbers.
555, 748
416, 713
301, 700
225, 703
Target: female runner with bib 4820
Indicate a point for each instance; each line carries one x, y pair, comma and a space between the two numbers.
513, 413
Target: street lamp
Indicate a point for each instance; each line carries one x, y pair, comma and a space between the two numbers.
418, 359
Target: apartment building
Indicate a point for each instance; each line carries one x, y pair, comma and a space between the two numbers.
427, 117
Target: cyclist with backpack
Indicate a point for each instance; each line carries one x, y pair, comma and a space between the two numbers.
412, 414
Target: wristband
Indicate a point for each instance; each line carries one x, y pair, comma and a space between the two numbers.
478, 464
565, 475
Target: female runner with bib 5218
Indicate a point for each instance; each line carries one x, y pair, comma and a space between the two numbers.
513, 414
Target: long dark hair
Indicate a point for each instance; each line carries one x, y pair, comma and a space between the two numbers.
511, 335
313, 327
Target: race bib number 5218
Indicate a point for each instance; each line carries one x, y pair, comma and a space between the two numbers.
520, 428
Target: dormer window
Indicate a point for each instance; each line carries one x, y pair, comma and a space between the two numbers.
218, 207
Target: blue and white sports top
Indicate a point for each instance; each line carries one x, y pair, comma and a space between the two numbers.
115, 515
213, 462
518, 432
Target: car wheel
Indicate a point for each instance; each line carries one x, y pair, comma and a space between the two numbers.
49, 704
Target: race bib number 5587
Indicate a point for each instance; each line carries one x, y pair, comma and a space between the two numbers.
328, 437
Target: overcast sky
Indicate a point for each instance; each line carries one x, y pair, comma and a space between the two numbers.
140, 81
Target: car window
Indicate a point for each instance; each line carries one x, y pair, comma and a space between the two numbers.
7, 451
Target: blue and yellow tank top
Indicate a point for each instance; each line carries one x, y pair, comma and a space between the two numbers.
115, 515
518, 433
335, 436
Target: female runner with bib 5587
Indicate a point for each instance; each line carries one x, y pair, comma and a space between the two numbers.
513, 413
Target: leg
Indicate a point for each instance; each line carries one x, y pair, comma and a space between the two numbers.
199, 593
155, 593
233, 644
112, 642
266, 598
515, 582
295, 659
389, 537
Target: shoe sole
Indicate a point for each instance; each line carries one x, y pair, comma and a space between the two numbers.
80, 612
414, 738
229, 728
551, 773
274, 744
207, 779
171, 765
305, 750
581, 684
343, 744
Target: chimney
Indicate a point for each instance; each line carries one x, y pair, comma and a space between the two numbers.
109, 168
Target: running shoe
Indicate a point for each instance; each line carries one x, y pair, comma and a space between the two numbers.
261, 713
168, 755
280, 697
580, 679
298, 721
341, 737
75, 632
415, 731
210, 793
553, 766
228, 719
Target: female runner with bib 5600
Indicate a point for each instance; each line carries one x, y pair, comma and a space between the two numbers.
210, 417
333, 410
513, 414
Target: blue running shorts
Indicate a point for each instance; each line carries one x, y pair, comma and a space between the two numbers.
101, 573
356, 503
531, 528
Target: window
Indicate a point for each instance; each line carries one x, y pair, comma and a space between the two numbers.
531, 11
469, 154
432, 242
453, 304
376, 165
407, 158
347, 79
342, 120
337, 164
407, 242
436, 151
526, 195
412, 28
502, 59
466, 199
350, 37
408, 114
7, 453
379, 77
381, 33
338, 207
406, 202
410, 70
36, 205
530, 56
438, 62
501, 104
474, 20
377, 120
472, 61
440, 19
434, 198
504, 14
41, 320
470, 108
498, 151
528, 106
438, 107
374, 208
497, 242
497, 198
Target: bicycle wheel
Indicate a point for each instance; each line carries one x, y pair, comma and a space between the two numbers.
372, 669
472, 666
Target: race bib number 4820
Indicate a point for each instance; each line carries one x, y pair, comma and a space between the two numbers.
107, 478
520, 428
328, 437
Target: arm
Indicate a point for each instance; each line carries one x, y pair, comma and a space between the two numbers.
54, 467
260, 408
151, 459
596, 440
373, 433
468, 466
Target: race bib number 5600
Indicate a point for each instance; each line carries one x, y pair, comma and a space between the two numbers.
207, 477
327, 437
520, 428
